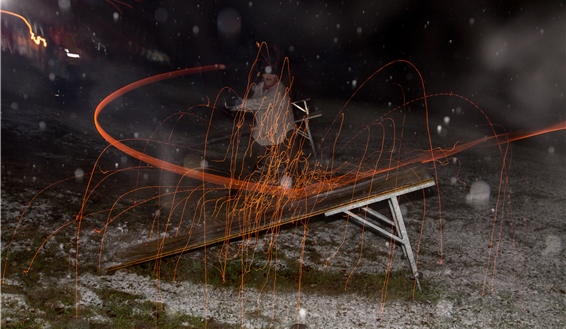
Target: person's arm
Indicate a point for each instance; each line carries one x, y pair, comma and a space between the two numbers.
235, 104
261, 100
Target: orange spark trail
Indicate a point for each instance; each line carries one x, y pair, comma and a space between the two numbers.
498, 139
428, 156
192, 173
313, 184
37, 39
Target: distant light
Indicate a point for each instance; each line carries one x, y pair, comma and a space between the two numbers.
229, 22
472, 21
160, 15
79, 174
480, 193
37, 39
72, 55
64, 4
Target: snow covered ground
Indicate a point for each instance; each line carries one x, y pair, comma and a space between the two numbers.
490, 243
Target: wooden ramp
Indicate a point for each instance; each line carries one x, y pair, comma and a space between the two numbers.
248, 214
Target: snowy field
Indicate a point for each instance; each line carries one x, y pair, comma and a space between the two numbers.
490, 236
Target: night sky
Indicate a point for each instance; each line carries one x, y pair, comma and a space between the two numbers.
508, 56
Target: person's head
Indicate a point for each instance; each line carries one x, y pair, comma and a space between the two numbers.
269, 76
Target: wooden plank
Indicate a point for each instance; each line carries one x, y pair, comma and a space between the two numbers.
251, 213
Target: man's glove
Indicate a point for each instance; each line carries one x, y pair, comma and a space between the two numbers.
232, 103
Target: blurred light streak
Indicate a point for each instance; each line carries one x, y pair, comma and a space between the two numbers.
71, 55
432, 155
37, 39
177, 169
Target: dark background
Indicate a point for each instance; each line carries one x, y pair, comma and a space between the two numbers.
506, 56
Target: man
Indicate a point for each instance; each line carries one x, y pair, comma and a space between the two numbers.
273, 128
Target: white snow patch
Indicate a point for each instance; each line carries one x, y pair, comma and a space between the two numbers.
479, 194
553, 245
444, 308
280, 310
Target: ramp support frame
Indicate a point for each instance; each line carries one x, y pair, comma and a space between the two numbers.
398, 230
